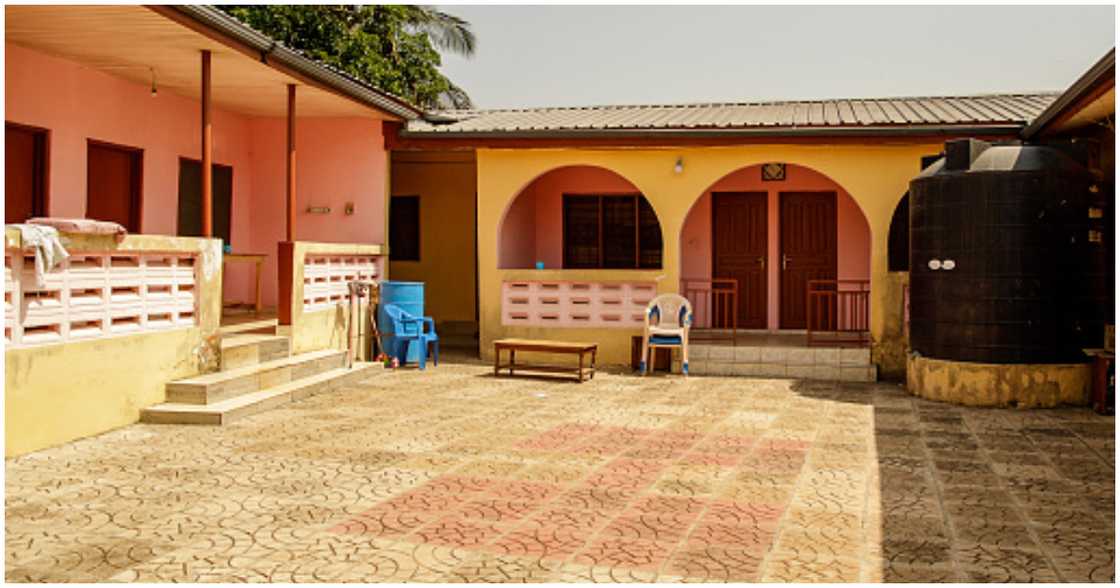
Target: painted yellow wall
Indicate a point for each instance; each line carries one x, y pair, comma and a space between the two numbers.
445, 183
1003, 385
329, 328
876, 176
61, 392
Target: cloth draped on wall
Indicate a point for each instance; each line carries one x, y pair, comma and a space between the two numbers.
49, 251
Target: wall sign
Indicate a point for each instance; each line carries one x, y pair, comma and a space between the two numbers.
773, 172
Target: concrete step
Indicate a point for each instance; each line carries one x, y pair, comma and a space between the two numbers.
248, 324
805, 363
231, 409
242, 349
224, 385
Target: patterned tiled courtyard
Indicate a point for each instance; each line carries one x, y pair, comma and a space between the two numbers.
453, 475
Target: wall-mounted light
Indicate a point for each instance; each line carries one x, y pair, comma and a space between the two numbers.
151, 70
679, 167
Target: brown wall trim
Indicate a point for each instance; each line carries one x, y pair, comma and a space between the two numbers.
454, 142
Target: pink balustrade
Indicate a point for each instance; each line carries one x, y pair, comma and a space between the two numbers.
94, 295
325, 278
575, 304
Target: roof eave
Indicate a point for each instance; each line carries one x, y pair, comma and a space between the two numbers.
270, 50
1087, 83
869, 131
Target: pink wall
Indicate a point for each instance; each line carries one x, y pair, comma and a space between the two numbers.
339, 160
853, 234
77, 103
533, 228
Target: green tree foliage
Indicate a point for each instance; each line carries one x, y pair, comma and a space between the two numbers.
394, 48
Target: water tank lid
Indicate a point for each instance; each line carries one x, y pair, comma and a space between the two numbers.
998, 158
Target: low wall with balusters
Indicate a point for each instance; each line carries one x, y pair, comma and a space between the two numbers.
96, 340
314, 294
604, 307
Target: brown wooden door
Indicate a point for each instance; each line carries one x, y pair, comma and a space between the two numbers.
113, 177
808, 249
739, 252
25, 173
190, 199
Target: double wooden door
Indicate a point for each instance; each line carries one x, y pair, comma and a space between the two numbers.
808, 250
739, 238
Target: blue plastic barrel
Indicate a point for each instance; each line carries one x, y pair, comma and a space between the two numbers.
409, 296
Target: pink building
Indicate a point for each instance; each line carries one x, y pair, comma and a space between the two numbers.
116, 117
147, 116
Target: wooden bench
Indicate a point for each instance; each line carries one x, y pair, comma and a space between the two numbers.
536, 346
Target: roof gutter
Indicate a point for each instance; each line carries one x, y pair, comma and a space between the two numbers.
271, 50
1085, 84
880, 131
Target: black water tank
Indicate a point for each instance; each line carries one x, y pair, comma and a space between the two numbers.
998, 255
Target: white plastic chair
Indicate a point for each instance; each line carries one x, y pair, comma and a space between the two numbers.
667, 320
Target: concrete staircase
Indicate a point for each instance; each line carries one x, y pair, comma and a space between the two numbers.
805, 363
257, 373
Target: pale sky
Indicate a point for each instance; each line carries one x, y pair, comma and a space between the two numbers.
585, 55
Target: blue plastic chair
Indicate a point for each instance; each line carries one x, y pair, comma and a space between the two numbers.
406, 329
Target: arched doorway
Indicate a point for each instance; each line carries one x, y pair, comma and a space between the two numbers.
771, 233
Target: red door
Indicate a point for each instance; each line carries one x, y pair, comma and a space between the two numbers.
808, 248
739, 252
25, 175
113, 184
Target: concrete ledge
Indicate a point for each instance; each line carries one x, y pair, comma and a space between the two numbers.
999, 385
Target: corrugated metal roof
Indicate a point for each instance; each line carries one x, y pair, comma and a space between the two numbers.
1007, 110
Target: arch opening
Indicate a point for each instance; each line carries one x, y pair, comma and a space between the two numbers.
580, 217
770, 236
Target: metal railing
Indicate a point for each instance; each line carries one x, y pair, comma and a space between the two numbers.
715, 303
838, 312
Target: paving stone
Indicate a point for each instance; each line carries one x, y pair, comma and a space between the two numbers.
450, 475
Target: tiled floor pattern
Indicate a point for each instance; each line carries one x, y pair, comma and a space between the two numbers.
452, 475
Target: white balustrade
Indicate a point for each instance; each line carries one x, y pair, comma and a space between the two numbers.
92, 295
325, 278
575, 304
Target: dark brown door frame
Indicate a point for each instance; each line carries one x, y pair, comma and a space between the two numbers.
743, 322
41, 200
136, 199
782, 316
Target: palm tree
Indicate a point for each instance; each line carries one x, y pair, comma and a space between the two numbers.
447, 32
392, 47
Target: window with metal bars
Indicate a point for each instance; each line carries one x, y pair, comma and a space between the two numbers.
610, 232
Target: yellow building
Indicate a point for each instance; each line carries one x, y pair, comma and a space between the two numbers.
582, 213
